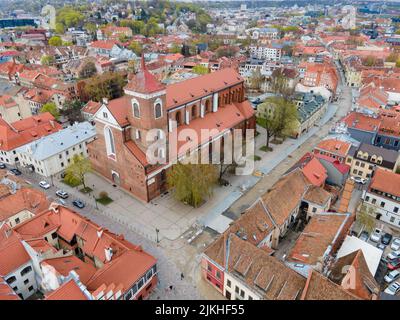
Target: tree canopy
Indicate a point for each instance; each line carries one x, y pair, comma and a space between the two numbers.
69, 17
108, 85
200, 69
52, 108
75, 172
55, 41
192, 183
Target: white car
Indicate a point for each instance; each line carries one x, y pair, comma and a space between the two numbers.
393, 289
44, 185
393, 255
359, 180
376, 235
392, 276
395, 246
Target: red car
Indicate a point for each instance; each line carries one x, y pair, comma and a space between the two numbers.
394, 264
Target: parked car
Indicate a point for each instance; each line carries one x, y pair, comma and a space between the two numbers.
381, 246
61, 201
2, 165
359, 180
393, 289
62, 194
393, 255
395, 246
376, 235
392, 276
16, 172
364, 236
394, 264
387, 237
44, 185
78, 203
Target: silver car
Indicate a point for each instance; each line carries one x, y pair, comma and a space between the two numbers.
393, 289
392, 276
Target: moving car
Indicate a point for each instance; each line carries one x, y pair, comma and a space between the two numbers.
387, 237
2, 165
62, 194
394, 264
44, 185
359, 180
395, 246
78, 203
392, 276
393, 255
393, 289
376, 235
16, 172
364, 236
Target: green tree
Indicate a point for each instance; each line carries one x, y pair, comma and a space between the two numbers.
369, 61
60, 29
52, 108
69, 17
192, 183
280, 83
108, 85
90, 27
364, 217
76, 171
175, 48
47, 60
278, 116
88, 70
393, 57
136, 47
256, 80
55, 41
200, 69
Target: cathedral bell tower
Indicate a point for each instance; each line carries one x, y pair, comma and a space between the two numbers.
148, 108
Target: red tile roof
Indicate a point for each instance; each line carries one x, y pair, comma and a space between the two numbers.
6, 293
68, 291
185, 91
27, 130
334, 146
144, 82
12, 253
386, 181
315, 172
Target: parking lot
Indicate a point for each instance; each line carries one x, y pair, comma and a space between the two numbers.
375, 240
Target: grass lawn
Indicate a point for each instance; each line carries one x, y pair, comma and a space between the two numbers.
86, 190
104, 201
265, 149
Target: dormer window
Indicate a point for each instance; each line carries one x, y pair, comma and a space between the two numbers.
105, 115
136, 110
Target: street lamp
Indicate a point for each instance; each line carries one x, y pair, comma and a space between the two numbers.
157, 231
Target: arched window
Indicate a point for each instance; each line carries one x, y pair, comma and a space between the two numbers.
194, 112
136, 109
178, 118
110, 145
158, 110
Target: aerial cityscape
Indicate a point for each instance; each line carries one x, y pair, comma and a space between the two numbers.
199, 150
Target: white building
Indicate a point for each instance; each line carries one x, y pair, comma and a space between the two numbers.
269, 53
382, 198
52, 154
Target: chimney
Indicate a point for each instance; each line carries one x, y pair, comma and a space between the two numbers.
108, 253
99, 233
105, 101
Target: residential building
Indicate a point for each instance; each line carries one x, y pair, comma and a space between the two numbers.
52, 154
11, 110
366, 158
58, 245
334, 148
270, 53
22, 132
319, 242
22, 205
383, 197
